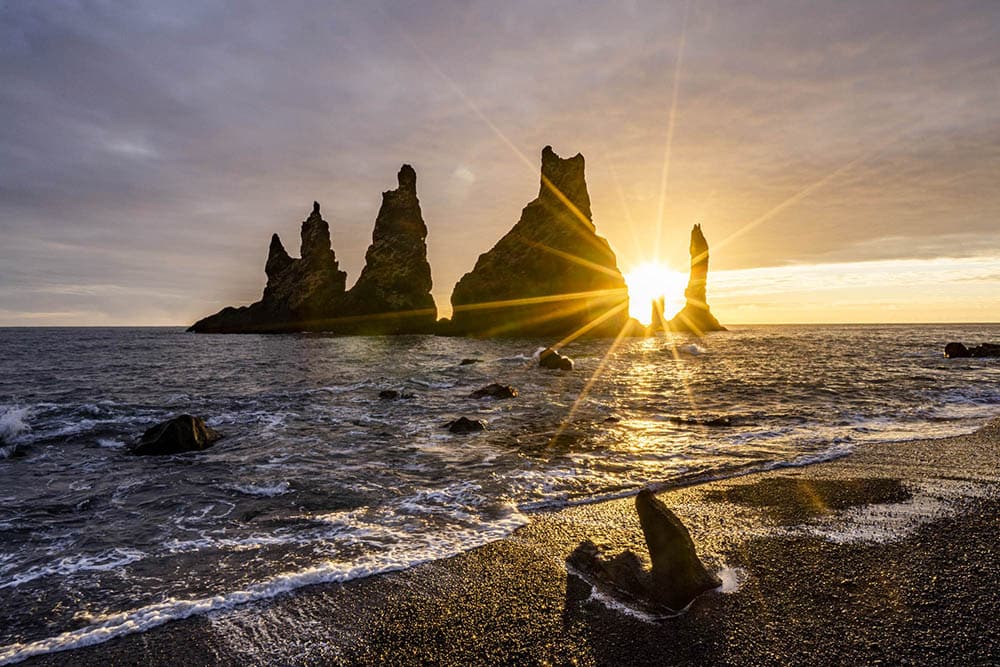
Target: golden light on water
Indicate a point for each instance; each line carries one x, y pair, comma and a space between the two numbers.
650, 281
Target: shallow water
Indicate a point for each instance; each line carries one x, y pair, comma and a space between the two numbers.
318, 479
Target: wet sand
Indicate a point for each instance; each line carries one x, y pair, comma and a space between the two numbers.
887, 556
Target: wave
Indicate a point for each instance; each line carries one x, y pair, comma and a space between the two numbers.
420, 550
266, 490
13, 426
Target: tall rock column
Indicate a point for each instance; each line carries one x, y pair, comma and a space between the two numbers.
696, 316
551, 275
393, 293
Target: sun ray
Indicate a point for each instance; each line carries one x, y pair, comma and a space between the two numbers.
803, 193
587, 233
671, 122
550, 298
564, 423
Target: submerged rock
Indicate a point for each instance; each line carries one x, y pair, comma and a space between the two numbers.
677, 576
958, 350
392, 394
695, 316
495, 390
550, 358
469, 362
466, 425
392, 295
183, 433
551, 274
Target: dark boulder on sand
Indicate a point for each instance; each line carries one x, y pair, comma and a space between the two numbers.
551, 275
959, 351
677, 576
550, 358
183, 433
466, 425
495, 390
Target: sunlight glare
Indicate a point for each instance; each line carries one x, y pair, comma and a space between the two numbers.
650, 281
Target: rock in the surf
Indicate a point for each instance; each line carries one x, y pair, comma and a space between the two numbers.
466, 425
958, 350
551, 275
550, 358
392, 394
393, 293
695, 316
183, 433
495, 390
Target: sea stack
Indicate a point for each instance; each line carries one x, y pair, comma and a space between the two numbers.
392, 295
695, 316
551, 275
299, 293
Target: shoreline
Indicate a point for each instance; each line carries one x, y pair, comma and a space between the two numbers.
529, 609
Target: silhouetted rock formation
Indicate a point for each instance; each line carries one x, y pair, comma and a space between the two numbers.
183, 433
957, 350
695, 316
677, 575
299, 292
551, 274
392, 295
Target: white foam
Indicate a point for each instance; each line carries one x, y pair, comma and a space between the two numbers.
266, 490
732, 578
13, 426
110, 443
932, 500
417, 550
69, 565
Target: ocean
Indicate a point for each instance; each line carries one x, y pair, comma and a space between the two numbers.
319, 480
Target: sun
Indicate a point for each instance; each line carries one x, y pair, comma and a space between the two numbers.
650, 281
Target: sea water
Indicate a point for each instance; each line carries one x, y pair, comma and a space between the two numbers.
318, 479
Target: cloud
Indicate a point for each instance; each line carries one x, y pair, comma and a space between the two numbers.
156, 146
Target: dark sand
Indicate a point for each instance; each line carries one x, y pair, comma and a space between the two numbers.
921, 588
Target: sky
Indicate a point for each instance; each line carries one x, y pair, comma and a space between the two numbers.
843, 158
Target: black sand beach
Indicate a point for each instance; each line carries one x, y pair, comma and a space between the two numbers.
886, 556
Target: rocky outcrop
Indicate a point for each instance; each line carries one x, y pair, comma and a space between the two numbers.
677, 576
300, 293
495, 390
958, 350
551, 275
183, 433
549, 358
392, 295
466, 425
695, 316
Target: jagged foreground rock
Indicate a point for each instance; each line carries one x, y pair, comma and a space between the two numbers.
392, 295
695, 317
551, 274
677, 575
